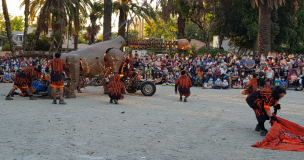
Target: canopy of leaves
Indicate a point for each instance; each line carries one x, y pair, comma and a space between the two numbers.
160, 29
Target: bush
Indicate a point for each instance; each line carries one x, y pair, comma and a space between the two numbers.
213, 52
6, 47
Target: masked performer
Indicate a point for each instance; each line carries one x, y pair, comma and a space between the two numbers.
127, 68
183, 84
22, 81
261, 101
116, 89
253, 85
57, 66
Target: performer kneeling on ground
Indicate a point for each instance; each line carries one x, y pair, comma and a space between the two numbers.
116, 89
57, 66
22, 81
183, 84
253, 85
261, 101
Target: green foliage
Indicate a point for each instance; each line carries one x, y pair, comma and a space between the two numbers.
43, 43
6, 47
213, 52
17, 23
133, 34
160, 29
192, 31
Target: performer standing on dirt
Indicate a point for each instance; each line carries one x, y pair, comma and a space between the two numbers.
22, 81
57, 67
261, 101
183, 84
253, 85
116, 89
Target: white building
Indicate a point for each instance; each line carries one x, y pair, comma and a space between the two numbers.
226, 45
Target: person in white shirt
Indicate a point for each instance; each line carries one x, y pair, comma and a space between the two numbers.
269, 74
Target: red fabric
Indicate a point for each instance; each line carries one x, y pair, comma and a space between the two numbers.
116, 87
285, 136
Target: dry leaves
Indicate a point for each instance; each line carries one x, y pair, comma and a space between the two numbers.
122, 112
90, 152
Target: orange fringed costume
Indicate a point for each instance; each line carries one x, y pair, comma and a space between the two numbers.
57, 66
23, 79
125, 70
253, 85
183, 84
116, 88
260, 102
285, 135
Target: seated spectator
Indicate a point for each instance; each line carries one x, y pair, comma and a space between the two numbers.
225, 84
277, 81
7, 78
284, 83
158, 79
199, 77
170, 78
293, 77
209, 84
238, 85
246, 82
218, 84
269, 74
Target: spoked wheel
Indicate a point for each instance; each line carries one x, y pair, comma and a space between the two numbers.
148, 88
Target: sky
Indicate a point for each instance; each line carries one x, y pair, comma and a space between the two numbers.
15, 10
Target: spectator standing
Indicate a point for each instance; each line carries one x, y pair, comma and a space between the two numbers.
249, 65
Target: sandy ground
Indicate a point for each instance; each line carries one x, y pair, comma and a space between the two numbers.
212, 125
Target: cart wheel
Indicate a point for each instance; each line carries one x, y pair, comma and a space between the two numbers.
50, 92
148, 88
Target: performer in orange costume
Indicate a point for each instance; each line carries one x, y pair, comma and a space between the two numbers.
261, 101
57, 66
116, 89
183, 85
22, 81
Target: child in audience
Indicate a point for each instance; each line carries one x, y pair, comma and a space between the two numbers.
245, 82
284, 83
277, 81
218, 84
293, 77
209, 84
225, 84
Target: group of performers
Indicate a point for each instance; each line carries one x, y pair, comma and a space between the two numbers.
33, 71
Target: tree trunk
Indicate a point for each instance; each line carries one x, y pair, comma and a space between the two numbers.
221, 39
181, 22
122, 25
264, 30
76, 25
42, 17
26, 14
255, 48
92, 39
107, 19
8, 27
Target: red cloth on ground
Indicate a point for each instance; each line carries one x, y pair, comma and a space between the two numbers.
285, 136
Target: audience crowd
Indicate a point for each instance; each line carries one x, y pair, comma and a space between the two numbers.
219, 72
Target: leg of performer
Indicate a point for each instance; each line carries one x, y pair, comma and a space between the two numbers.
30, 94
111, 100
181, 98
185, 99
11, 93
54, 89
263, 131
61, 101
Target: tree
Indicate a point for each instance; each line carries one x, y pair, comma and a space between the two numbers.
107, 20
96, 14
202, 13
264, 30
192, 31
17, 23
8, 26
125, 7
161, 29
26, 14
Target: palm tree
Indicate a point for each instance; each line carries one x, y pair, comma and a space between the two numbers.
264, 29
8, 26
26, 14
125, 7
107, 19
56, 14
96, 13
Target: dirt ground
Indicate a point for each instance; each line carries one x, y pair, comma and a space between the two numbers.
212, 125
